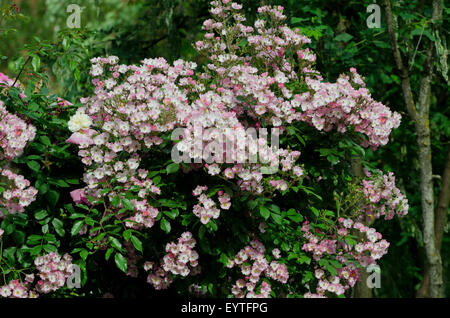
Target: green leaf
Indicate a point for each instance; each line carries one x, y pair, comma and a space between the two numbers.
34, 239
108, 253
36, 62
45, 228
121, 262
127, 235
304, 259
172, 168
115, 201
84, 254
50, 248
53, 197
9, 254
76, 227
172, 213
45, 140
40, 214
136, 243
277, 218
115, 243
33, 165
265, 213
19, 63
127, 204
344, 37
315, 211
58, 225
65, 43
165, 225
274, 208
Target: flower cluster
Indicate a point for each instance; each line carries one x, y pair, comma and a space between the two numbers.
17, 289
206, 208
158, 277
252, 263
181, 259
346, 103
126, 114
53, 271
14, 134
18, 194
367, 251
341, 105
383, 197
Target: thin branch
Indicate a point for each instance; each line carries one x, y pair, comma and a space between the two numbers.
21, 70
417, 47
403, 69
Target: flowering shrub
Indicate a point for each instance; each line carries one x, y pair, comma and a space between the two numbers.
216, 217
53, 270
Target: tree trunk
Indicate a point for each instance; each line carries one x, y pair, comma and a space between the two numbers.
439, 224
426, 189
420, 116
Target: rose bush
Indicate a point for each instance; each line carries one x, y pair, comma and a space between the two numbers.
205, 225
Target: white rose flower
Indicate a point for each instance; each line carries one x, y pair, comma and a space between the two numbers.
79, 121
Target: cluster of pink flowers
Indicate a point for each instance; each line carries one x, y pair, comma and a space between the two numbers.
53, 271
18, 194
181, 259
158, 277
206, 208
252, 263
367, 251
341, 105
383, 197
126, 114
17, 289
14, 134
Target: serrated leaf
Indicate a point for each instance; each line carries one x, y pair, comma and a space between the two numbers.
108, 253
40, 214
172, 168
36, 62
165, 225
121, 262
58, 225
115, 243
136, 243
265, 213
344, 37
33, 165
76, 227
